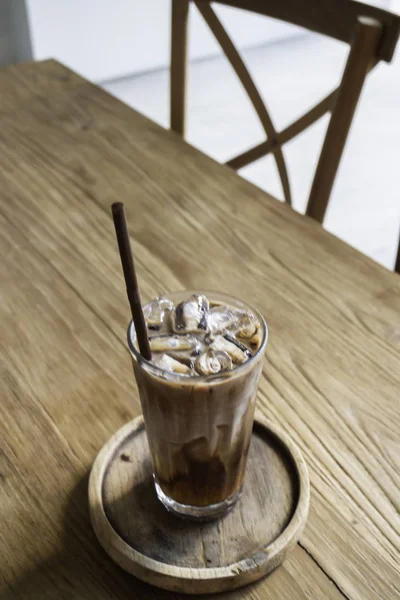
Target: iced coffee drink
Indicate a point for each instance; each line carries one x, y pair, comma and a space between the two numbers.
198, 396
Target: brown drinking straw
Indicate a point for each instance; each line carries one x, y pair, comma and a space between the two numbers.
132, 288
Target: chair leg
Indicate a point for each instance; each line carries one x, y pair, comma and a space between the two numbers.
361, 59
397, 263
179, 34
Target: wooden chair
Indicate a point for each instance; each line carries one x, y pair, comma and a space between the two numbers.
372, 34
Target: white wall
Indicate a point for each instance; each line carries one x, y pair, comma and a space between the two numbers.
108, 39
104, 39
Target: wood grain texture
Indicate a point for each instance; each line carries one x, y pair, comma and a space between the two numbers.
331, 380
252, 540
334, 18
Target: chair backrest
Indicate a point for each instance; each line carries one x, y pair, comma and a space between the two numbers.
372, 34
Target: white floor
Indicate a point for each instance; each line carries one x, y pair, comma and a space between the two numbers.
292, 76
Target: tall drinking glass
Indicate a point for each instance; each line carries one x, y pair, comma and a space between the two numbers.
199, 428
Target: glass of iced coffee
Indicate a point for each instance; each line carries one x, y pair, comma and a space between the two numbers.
198, 396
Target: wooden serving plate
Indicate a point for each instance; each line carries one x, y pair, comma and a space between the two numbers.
140, 535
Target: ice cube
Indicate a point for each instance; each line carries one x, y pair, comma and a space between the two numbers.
191, 315
213, 361
155, 310
170, 364
198, 450
224, 319
255, 341
237, 351
246, 324
221, 318
183, 358
177, 343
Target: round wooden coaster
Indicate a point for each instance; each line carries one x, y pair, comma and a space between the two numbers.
250, 541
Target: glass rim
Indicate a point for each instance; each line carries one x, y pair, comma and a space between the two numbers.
181, 377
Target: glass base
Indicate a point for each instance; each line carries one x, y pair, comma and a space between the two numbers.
197, 513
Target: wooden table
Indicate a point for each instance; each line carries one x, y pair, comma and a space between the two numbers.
331, 377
